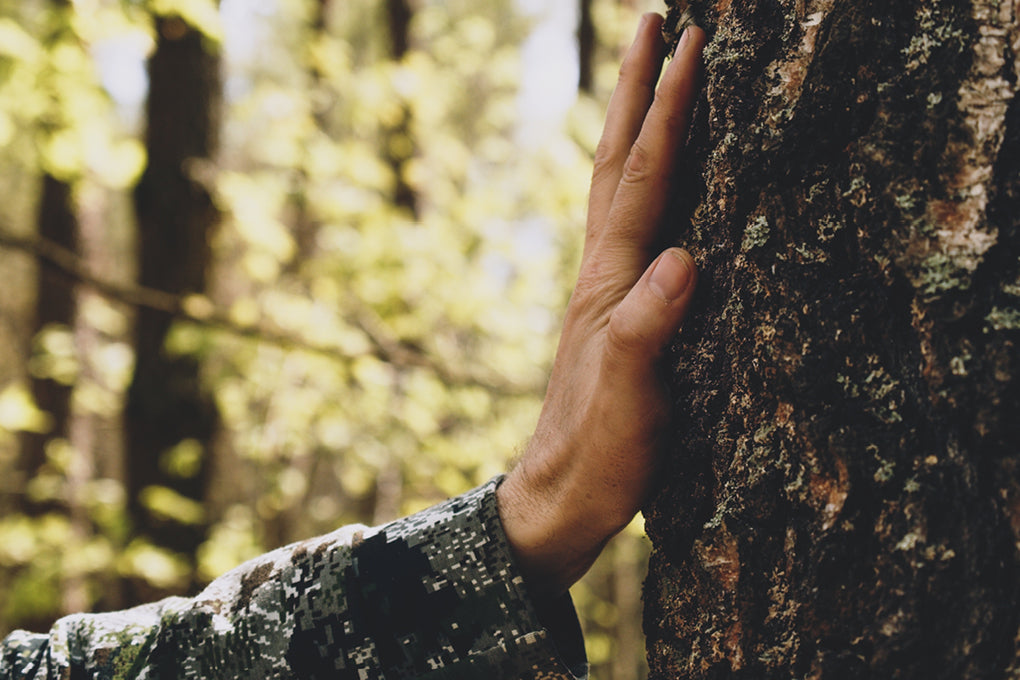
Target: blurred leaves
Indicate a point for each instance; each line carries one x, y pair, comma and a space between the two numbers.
18, 412
165, 503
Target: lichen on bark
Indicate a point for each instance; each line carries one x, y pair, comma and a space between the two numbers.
842, 494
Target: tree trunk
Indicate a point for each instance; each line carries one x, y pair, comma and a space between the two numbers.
587, 42
842, 495
54, 308
55, 304
398, 134
166, 403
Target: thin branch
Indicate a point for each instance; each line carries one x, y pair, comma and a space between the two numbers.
384, 346
67, 262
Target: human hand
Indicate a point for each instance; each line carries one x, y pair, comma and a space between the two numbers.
590, 464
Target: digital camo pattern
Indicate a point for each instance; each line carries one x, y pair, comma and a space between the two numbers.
434, 595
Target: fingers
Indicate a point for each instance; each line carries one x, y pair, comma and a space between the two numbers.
648, 318
641, 195
627, 108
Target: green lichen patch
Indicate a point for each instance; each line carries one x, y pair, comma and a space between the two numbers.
885, 471
828, 227
1012, 288
938, 273
879, 389
756, 234
1001, 319
934, 31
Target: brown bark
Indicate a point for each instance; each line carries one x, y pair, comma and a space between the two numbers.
166, 402
842, 495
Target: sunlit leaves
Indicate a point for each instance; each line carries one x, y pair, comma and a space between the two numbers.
42, 553
232, 541
100, 21
39, 542
255, 202
165, 503
444, 285
120, 163
183, 460
49, 86
18, 412
158, 566
16, 42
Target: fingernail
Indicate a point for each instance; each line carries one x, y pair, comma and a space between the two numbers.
671, 276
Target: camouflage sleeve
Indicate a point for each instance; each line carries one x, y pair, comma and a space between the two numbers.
435, 595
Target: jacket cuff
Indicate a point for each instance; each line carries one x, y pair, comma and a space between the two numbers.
445, 581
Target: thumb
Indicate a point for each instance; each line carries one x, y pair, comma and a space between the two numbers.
653, 310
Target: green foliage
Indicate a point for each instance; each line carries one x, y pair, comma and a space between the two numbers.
51, 90
54, 356
18, 412
165, 503
447, 289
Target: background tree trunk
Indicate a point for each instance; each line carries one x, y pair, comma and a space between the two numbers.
843, 498
587, 43
55, 304
54, 308
398, 136
166, 403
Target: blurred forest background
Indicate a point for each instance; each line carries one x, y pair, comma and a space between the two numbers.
274, 266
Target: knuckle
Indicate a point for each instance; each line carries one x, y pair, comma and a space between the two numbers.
664, 99
606, 160
588, 293
623, 336
638, 167
632, 72
627, 70
595, 293
584, 294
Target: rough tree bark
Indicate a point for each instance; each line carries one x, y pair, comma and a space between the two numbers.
843, 498
166, 403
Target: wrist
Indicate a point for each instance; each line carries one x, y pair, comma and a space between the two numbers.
554, 537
